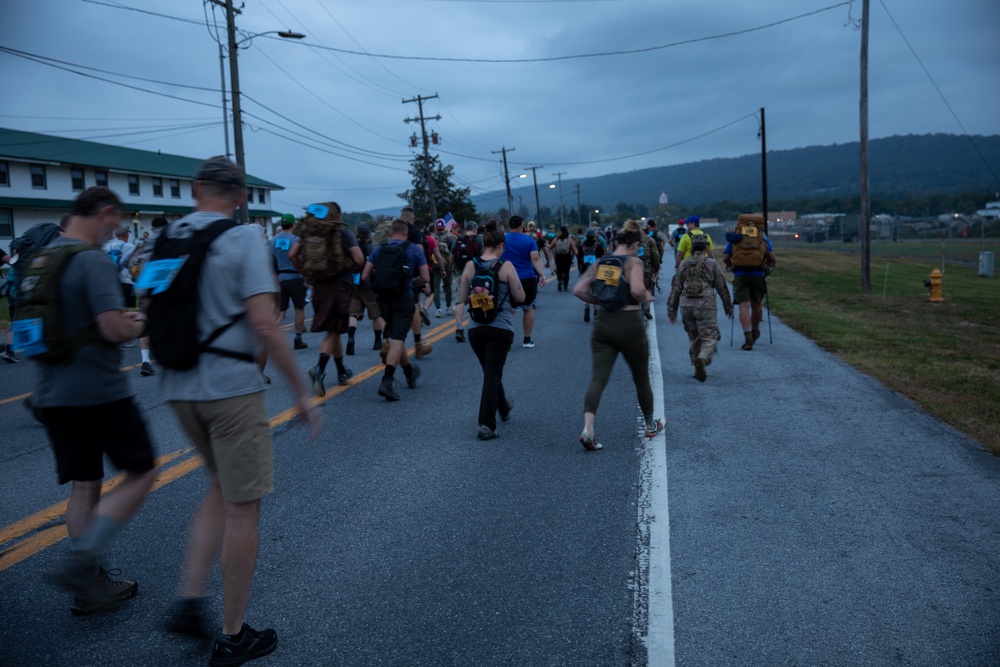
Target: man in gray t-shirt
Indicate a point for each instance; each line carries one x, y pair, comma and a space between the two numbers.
220, 405
87, 407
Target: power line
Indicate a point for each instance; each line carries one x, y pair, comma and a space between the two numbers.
600, 54
115, 5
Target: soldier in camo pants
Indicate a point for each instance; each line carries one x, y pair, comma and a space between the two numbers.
693, 288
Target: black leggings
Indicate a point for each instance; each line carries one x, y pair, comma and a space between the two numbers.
563, 265
624, 332
491, 346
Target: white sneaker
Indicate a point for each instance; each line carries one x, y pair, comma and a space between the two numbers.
438, 313
450, 311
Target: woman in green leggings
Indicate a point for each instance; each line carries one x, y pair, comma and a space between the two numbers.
618, 328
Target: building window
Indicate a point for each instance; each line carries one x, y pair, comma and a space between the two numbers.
38, 180
157, 186
133, 185
4, 173
175, 188
76, 176
6, 223
261, 192
101, 177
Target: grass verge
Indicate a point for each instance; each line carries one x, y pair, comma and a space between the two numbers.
946, 356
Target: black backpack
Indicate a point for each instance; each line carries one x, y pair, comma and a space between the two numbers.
610, 284
26, 245
465, 249
484, 306
392, 271
173, 304
39, 329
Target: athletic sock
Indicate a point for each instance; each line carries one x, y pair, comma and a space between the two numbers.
378, 337
340, 364
416, 338
527, 339
389, 372
145, 356
298, 337
408, 370
350, 332
324, 359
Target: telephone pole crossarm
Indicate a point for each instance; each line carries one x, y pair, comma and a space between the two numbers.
428, 176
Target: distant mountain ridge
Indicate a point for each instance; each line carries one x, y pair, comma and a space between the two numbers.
899, 166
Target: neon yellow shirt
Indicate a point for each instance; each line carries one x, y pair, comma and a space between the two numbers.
684, 245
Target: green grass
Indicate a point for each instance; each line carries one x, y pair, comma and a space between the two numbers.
945, 356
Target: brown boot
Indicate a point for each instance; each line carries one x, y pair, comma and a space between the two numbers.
699, 370
756, 334
748, 345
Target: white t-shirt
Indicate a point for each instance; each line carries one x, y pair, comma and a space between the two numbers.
126, 249
237, 267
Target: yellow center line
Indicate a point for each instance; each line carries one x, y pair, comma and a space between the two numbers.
54, 534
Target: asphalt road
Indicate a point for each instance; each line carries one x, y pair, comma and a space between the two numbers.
815, 518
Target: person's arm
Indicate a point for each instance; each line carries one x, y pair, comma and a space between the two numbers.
366, 272
637, 282
581, 290
425, 275
294, 256
357, 257
120, 326
536, 261
508, 274
674, 299
260, 316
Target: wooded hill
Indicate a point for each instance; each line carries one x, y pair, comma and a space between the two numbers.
900, 167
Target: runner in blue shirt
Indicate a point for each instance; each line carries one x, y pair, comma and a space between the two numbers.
521, 250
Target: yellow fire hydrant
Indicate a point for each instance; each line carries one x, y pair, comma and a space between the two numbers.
934, 282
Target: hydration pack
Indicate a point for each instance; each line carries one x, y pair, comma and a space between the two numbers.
749, 246
484, 286
391, 272
610, 284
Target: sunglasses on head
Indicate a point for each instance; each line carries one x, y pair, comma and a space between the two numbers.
318, 211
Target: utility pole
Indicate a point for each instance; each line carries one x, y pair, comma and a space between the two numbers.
579, 208
538, 206
225, 109
234, 77
763, 165
866, 208
427, 157
562, 213
506, 176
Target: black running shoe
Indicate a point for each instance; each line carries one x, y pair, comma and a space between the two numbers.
342, 378
230, 651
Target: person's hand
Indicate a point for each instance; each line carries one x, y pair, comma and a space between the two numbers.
729, 313
673, 320
309, 415
541, 280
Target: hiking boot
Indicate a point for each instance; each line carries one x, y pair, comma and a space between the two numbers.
505, 411
342, 378
411, 379
350, 347
10, 357
387, 390
300, 344
187, 617
653, 428
384, 350
586, 313
460, 335
755, 333
748, 345
424, 317
247, 645
438, 313
317, 380
589, 442
423, 349
147, 369
486, 433
699, 370
377, 345
112, 591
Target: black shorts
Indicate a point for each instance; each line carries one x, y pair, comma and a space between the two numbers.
398, 316
81, 435
530, 286
293, 290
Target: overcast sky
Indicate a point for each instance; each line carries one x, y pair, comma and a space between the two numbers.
584, 116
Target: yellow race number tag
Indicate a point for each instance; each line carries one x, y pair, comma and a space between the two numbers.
609, 275
481, 301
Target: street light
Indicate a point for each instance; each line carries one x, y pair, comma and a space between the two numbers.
234, 77
590, 218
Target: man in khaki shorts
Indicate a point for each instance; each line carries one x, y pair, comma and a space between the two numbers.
220, 405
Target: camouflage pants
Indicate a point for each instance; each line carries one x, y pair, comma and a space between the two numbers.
702, 327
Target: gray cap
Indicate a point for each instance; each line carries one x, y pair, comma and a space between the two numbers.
220, 169
471, 226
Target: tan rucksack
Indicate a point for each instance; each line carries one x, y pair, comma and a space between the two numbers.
750, 248
323, 252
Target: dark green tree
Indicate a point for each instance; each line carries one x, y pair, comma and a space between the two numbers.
447, 197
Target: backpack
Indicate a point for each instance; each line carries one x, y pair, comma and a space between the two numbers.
116, 255
465, 249
392, 271
173, 273
38, 328
445, 251
323, 253
610, 284
26, 245
562, 246
749, 247
588, 252
694, 282
484, 306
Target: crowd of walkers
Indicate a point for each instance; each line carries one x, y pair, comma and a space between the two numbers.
206, 296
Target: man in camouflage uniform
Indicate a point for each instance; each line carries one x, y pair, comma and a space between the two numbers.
650, 257
692, 289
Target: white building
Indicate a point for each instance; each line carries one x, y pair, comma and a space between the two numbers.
992, 210
41, 175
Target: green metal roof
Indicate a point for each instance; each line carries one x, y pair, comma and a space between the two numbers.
64, 205
48, 148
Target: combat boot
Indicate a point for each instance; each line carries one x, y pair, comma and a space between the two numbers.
748, 345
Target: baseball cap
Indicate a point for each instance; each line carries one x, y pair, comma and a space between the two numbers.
439, 224
288, 217
693, 219
220, 169
471, 226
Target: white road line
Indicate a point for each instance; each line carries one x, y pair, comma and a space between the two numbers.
654, 592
